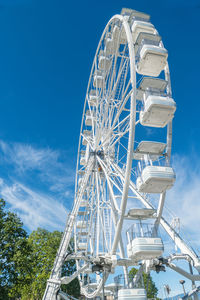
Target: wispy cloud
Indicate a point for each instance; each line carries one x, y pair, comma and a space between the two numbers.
34, 208
184, 198
25, 157
37, 183
45, 163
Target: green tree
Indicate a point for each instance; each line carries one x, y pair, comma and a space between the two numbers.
26, 262
149, 284
15, 255
44, 245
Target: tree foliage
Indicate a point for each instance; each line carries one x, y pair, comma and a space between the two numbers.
44, 245
26, 262
15, 255
149, 284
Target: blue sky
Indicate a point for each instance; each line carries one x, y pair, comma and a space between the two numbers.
46, 52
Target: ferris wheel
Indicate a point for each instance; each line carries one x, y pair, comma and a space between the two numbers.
123, 165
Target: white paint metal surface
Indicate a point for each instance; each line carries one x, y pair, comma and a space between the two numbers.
141, 26
82, 246
81, 224
109, 46
145, 248
149, 84
98, 81
158, 111
93, 99
86, 136
153, 149
156, 179
82, 160
141, 214
104, 63
135, 14
84, 203
90, 117
132, 294
152, 60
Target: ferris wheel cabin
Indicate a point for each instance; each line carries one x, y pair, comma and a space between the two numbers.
104, 62
155, 179
158, 111
86, 136
92, 98
109, 46
82, 158
90, 116
132, 294
81, 224
151, 55
158, 107
99, 78
143, 242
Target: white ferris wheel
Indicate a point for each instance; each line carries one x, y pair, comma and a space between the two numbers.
123, 166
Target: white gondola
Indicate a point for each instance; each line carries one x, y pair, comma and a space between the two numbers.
151, 85
90, 116
156, 179
81, 224
119, 37
93, 99
82, 233
138, 15
132, 294
115, 34
86, 136
82, 246
153, 149
141, 26
142, 248
82, 158
152, 60
113, 287
106, 294
104, 63
82, 212
109, 46
140, 213
98, 80
158, 111
83, 203
123, 37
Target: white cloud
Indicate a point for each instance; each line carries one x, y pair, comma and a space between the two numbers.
184, 198
26, 159
34, 208
36, 183
184, 201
